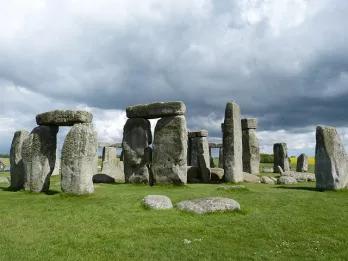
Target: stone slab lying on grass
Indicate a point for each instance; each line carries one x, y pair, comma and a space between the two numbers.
63, 118
287, 180
103, 178
157, 202
4, 180
268, 180
216, 174
156, 110
250, 178
209, 205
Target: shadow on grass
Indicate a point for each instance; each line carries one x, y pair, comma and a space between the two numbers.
300, 188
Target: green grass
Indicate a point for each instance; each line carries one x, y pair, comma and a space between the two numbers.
276, 223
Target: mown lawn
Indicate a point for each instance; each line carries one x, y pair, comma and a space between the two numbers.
276, 223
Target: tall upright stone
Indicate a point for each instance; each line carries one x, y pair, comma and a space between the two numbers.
199, 153
79, 159
251, 147
16, 161
111, 165
331, 166
302, 163
281, 158
169, 163
39, 157
221, 157
232, 144
136, 138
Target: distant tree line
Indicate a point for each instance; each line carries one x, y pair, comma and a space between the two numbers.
4, 155
266, 158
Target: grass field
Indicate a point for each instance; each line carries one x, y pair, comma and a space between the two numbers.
276, 223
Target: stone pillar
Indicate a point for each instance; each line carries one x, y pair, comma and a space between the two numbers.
199, 156
221, 157
16, 161
79, 160
39, 157
136, 137
170, 151
280, 152
232, 144
111, 165
331, 166
302, 163
251, 147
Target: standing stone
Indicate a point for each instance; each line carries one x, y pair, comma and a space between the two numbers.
79, 160
281, 159
16, 161
302, 163
221, 157
111, 165
136, 138
251, 147
232, 144
56, 171
170, 151
39, 157
331, 167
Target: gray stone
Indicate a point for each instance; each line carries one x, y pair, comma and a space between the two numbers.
281, 159
302, 163
232, 144
157, 202
112, 166
193, 174
199, 156
136, 138
56, 171
16, 161
200, 133
249, 123
267, 170
39, 157
299, 176
250, 178
103, 178
209, 205
251, 152
331, 166
4, 180
221, 158
156, 110
63, 118
217, 174
170, 151
268, 180
79, 160
287, 180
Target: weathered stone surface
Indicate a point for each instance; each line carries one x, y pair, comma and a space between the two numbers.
268, 180
287, 180
232, 144
16, 161
200, 133
250, 178
193, 174
136, 138
251, 152
103, 178
156, 110
199, 156
209, 205
331, 166
79, 160
112, 166
302, 163
157, 202
4, 180
249, 123
267, 170
221, 158
57, 165
63, 118
281, 159
299, 176
217, 174
39, 157
170, 151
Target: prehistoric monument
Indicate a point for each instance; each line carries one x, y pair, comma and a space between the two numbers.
251, 147
168, 154
302, 163
232, 144
33, 156
198, 154
331, 162
281, 158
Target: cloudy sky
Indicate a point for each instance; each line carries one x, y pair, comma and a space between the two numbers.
283, 61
